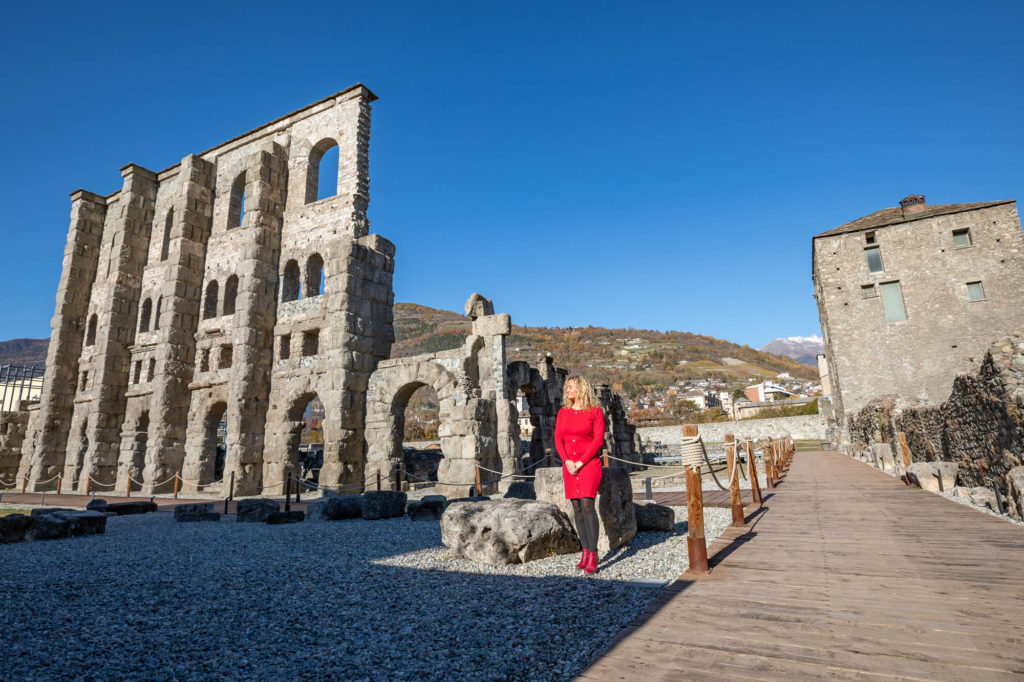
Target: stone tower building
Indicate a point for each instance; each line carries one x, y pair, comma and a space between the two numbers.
218, 288
910, 297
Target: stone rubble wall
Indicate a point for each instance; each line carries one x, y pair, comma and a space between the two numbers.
13, 426
801, 427
980, 427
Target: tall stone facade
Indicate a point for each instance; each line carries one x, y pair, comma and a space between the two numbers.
220, 288
910, 297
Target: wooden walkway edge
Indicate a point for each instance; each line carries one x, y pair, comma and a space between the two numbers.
844, 574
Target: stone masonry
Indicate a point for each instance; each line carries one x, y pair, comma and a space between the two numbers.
954, 272
218, 289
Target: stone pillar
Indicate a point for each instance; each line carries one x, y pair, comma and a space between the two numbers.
354, 161
130, 228
68, 326
255, 313
181, 292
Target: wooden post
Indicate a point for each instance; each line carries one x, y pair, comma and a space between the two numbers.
606, 459
738, 517
127, 486
24, 483
231, 487
696, 545
298, 489
477, 478
378, 479
88, 484
905, 452
755, 485
398, 479
547, 457
766, 452
177, 482
60, 479
288, 491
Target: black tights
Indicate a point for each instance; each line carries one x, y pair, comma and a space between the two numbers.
586, 522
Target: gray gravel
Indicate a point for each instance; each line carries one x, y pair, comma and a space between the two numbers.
373, 600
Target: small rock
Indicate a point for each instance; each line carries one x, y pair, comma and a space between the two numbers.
335, 508
97, 505
279, 517
256, 510
202, 511
383, 504
656, 517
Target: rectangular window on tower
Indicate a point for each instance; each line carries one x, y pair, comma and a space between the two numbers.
975, 292
874, 256
892, 301
962, 238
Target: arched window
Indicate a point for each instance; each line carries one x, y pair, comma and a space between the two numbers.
165, 246
210, 303
90, 333
236, 205
230, 294
290, 282
156, 316
144, 314
314, 275
322, 171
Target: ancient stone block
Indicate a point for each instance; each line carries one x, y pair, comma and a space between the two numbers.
14, 526
655, 517
255, 510
383, 504
126, 508
280, 517
926, 475
1015, 492
501, 532
984, 497
616, 518
522, 490
335, 508
431, 507
201, 511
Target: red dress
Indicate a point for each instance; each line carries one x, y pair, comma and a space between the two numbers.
579, 435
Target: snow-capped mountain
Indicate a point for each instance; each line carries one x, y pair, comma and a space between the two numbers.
803, 349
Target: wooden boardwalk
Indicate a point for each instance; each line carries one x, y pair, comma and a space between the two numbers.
844, 574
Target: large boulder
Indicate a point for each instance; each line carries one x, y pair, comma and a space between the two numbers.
656, 517
201, 511
500, 532
521, 490
383, 504
925, 475
137, 507
475, 498
882, 457
1015, 492
335, 508
13, 527
615, 515
255, 510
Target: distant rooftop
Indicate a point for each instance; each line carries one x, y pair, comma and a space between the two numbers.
911, 208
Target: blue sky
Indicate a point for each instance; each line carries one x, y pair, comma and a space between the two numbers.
655, 165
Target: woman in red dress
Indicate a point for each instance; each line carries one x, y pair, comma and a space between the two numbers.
579, 435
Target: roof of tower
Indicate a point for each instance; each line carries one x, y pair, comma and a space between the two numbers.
895, 215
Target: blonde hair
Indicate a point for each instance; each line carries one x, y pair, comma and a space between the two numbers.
584, 393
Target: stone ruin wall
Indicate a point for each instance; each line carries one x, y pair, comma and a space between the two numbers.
13, 427
980, 426
194, 292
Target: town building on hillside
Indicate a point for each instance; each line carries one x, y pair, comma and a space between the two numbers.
910, 297
766, 391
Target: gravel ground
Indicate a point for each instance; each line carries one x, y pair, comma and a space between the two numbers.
366, 600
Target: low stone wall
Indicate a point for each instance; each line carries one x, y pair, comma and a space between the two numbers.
12, 434
803, 427
980, 427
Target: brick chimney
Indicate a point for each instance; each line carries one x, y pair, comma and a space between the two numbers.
912, 204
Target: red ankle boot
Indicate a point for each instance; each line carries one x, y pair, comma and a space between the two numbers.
583, 559
591, 566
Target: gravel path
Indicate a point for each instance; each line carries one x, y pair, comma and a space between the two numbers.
376, 600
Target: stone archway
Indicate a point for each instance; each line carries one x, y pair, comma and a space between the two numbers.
462, 430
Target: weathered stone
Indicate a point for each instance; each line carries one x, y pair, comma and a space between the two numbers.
255, 510
60, 523
14, 526
478, 306
201, 511
500, 532
335, 508
882, 457
475, 498
616, 518
925, 475
961, 491
521, 490
431, 507
97, 505
49, 527
984, 497
128, 508
280, 517
1015, 492
45, 511
383, 504
656, 517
